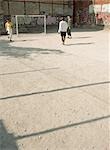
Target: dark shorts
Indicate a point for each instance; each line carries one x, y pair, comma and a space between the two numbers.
63, 34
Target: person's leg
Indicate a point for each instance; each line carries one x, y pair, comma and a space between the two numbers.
10, 34
64, 37
69, 33
64, 40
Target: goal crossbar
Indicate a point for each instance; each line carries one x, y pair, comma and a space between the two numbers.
17, 16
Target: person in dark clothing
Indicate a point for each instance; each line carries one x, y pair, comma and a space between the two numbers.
69, 27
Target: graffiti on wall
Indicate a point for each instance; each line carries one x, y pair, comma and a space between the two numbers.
102, 13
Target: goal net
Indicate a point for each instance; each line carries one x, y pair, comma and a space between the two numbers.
30, 24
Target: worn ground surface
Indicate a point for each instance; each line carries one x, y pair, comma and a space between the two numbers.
54, 96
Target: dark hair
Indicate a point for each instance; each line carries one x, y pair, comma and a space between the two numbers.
62, 18
8, 20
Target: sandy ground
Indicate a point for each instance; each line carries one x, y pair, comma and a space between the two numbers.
54, 96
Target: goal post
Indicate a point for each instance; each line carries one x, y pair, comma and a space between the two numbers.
30, 21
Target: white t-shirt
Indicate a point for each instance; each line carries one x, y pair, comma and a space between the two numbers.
63, 26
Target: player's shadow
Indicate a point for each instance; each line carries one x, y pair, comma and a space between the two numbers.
11, 51
7, 140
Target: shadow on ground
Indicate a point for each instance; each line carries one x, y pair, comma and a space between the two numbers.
7, 140
11, 51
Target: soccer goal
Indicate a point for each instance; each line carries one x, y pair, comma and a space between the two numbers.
30, 24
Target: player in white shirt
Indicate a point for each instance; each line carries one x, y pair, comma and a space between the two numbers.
63, 29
